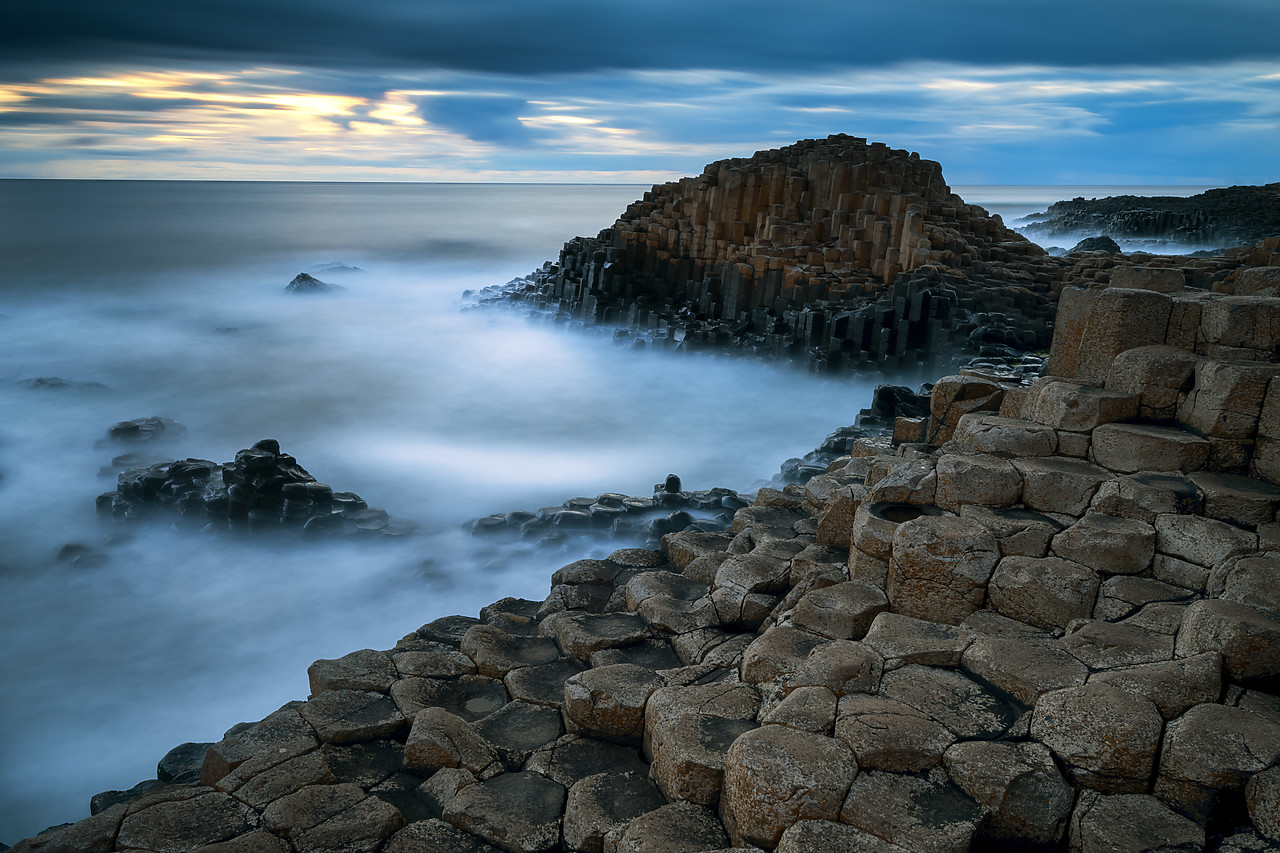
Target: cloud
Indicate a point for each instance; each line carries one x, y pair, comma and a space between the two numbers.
431, 124
554, 37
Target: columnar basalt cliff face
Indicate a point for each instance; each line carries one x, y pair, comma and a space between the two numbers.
833, 253
821, 219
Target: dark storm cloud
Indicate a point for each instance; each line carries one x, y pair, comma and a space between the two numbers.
556, 36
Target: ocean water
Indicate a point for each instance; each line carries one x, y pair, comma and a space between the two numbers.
170, 296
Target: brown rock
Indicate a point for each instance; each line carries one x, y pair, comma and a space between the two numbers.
608, 702
940, 567
1048, 592
776, 776
1107, 737
1026, 799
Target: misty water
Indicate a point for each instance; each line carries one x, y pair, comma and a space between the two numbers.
170, 295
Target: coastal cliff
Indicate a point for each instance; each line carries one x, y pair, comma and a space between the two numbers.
1042, 615
836, 254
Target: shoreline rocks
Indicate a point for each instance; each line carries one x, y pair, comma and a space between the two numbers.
1041, 615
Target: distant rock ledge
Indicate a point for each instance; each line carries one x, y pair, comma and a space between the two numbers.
1232, 216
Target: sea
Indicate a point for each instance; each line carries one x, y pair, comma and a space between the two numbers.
167, 299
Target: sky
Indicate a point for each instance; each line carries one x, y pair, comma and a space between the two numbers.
1000, 92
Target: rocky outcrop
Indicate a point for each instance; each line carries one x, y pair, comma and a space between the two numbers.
262, 489
1232, 216
1053, 622
1044, 617
834, 254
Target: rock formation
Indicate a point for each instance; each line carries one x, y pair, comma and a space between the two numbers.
261, 489
1047, 616
1231, 216
834, 253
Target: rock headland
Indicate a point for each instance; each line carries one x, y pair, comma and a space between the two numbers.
1037, 614
1231, 216
836, 254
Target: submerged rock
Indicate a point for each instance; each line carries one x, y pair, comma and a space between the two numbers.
307, 283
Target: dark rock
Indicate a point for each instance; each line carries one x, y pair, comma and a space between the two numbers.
55, 383
1101, 243
146, 429
182, 763
104, 800
307, 283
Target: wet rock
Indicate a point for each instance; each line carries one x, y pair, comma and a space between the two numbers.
519, 812
141, 430
469, 696
579, 635
104, 800
182, 763
497, 652
518, 729
542, 685
305, 283
574, 757
1101, 243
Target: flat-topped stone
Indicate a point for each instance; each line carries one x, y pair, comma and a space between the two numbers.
1055, 484
1080, 408
904, 640
519, 812
1127, 448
